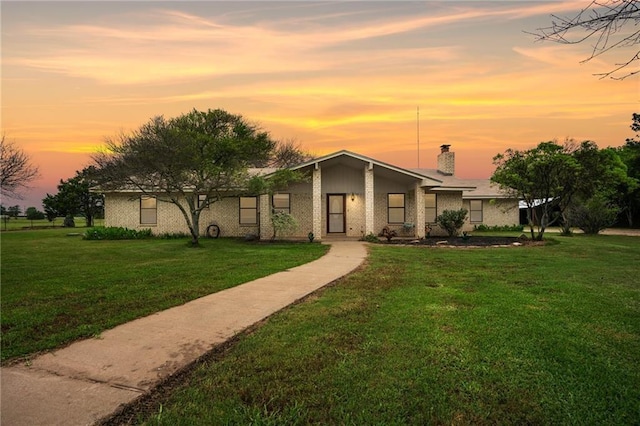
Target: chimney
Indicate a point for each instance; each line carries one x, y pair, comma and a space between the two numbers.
446, 161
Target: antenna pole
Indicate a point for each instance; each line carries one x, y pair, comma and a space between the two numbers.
418, 133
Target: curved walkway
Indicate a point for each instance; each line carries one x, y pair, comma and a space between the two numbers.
90, 379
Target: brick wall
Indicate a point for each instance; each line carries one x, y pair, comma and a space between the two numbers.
496, 212
124, 210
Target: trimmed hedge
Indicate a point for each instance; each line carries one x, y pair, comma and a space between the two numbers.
496, 228
116, 233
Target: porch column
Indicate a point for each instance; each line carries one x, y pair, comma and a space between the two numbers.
369, 200
266, 227
317, 202
420, 219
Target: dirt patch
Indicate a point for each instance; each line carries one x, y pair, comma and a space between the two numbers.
472, 241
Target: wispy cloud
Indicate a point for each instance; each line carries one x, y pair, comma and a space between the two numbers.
167, 45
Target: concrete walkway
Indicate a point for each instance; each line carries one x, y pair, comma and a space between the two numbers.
90, 379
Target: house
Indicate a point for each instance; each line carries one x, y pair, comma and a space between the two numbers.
347, 194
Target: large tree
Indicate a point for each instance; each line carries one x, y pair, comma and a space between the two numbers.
76, 197
602, 187
540, 177
16, 170
630, 155
608, 25
191, 161
559, 180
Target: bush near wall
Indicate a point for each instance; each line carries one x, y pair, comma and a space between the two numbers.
498, 228
116, 233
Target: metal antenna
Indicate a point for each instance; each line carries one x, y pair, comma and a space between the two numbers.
418, 133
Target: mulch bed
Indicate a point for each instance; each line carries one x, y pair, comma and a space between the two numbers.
473, 241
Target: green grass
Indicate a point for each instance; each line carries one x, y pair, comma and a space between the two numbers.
58, 288
528, 335
21, 224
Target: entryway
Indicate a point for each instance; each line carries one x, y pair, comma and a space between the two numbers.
336, 217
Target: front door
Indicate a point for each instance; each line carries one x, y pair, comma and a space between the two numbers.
335, 213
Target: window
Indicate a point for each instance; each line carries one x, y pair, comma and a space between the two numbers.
202, 200
475, 211
282, 203
430, 208
248, 210
148, 210
395, 203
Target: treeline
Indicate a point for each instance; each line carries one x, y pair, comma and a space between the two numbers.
574, 184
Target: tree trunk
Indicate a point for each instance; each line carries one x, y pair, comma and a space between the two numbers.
544, 220
192, 219
530, 216
566, 226
195, 228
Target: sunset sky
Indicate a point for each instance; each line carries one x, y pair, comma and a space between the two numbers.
331, 75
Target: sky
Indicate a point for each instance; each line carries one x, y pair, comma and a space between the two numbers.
392, 80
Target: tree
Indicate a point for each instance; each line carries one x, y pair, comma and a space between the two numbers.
288, 153
543, 177
16, 170
604, 23
34, 214
201, 153
51, 209
75, 197
629, 153
601, 174
14, 211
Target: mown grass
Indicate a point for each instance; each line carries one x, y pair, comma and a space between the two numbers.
528, 335
21, 223
58, 288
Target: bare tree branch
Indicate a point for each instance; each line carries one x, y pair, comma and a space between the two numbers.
610, 24
16, 170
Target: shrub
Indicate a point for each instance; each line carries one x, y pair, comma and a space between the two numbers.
594, 215
497, 228
283, 223
116, 233
370, 238
452, 221
173, 235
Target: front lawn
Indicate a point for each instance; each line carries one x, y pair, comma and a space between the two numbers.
523, 335
22, 223
58, 288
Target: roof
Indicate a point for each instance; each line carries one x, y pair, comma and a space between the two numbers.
471, 188
351, 159
428, 178
265, 171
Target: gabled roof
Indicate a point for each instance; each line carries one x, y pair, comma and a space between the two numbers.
426, 180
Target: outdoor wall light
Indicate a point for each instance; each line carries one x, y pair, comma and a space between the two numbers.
353, 196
